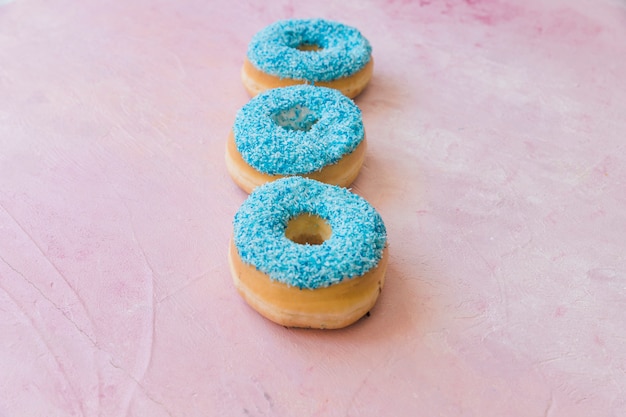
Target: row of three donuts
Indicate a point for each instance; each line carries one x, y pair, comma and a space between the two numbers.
303, 253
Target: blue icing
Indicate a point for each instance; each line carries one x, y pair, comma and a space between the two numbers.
344, 51
297, 130
355, 246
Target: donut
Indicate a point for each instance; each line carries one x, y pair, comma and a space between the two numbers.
302, 130
308, 254
308, 51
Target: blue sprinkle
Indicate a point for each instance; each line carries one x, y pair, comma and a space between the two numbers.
297, 130
344, 51
355, 246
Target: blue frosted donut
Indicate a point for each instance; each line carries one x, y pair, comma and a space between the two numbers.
354, 247
341, 50
297, 130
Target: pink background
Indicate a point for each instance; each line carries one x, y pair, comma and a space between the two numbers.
496, 158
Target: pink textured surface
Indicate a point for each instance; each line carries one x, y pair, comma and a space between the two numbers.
496, 158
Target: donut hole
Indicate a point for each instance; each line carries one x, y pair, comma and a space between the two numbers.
308, 229
309, 47
297, 117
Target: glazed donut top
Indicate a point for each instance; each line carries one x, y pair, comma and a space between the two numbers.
297, 130
342, 51
355, 245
